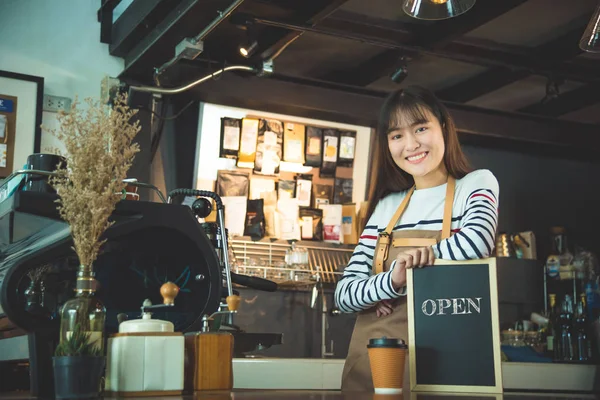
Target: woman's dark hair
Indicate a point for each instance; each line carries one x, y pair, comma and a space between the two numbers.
405, 107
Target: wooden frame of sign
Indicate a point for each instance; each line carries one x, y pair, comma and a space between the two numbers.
453, 329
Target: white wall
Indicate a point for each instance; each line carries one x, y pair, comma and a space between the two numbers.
58, 40
209, 125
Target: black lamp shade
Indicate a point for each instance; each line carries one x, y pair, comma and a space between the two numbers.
436, 9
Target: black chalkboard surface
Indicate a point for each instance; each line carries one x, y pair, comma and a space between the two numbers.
454, 342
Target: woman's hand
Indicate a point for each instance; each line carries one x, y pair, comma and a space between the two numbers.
384, 307
414, 258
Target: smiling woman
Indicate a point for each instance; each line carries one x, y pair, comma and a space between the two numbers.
426, 203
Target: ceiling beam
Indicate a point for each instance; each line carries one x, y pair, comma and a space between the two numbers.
334, 102
143, 56
429, 36
469, 51
279, 41
553, 54
105, 17
567, 102
483, 83
136, 22
484, 11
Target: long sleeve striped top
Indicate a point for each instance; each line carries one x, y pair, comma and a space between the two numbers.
474, 222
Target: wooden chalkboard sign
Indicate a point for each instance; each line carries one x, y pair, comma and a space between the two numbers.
453, 330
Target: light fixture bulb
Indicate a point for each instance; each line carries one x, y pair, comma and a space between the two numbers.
247, 48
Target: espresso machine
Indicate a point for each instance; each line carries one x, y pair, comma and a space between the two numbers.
150, 243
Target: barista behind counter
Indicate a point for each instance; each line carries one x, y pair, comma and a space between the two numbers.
425, 190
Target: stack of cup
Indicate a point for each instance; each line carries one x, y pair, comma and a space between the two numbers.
387, 356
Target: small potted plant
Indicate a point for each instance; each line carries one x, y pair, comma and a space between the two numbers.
98, 140
78, 364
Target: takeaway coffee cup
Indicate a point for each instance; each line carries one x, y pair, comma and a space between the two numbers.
386, 356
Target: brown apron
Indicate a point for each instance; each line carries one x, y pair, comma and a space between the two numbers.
357, 370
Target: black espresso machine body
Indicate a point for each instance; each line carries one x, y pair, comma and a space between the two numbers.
148, 245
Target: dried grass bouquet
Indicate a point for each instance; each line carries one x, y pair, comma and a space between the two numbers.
100, 151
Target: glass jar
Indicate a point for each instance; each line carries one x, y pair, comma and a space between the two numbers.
85, 313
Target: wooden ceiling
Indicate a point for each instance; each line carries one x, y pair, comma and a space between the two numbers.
510, 56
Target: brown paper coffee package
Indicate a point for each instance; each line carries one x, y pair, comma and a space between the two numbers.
322, 194
331, 139
233, 183
293, 143
313, 146
269, 147
259, 185
347, 145
230, 137
349, 224
311, 224
270, 209
332, 223
303, 189
248, 139
343, 191
286, 189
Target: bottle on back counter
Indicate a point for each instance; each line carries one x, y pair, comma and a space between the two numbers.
551, 329
584, 343
567, 338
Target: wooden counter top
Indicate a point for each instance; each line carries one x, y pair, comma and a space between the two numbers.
333, 395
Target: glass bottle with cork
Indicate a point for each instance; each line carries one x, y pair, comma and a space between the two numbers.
84, 311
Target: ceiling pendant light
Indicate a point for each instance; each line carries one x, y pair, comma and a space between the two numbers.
590, 41
436, 9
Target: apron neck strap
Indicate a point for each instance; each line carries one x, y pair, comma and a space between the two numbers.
399, 211
447, 222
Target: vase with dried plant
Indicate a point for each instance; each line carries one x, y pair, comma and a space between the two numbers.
98, 140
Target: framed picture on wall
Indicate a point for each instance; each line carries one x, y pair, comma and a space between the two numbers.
20, 119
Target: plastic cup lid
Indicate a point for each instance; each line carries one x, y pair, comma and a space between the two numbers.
387, 342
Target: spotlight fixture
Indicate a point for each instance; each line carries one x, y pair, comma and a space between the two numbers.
552, 89
400, 73
590, 41
248, 47
436, 9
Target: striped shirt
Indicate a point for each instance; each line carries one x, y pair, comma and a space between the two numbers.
474, 221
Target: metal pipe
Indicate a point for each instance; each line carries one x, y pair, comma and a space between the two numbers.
201, 36
135, 182
215, 22
221, 218
131, 181
157, 90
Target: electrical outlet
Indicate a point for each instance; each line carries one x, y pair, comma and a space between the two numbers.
56, 103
